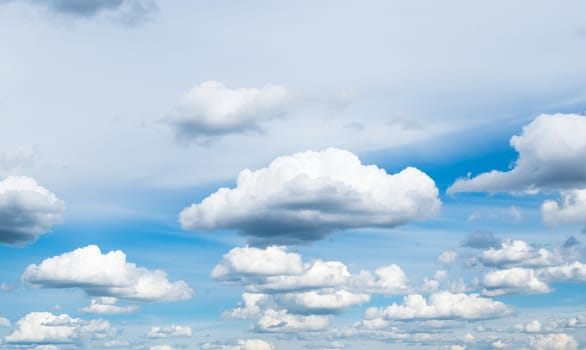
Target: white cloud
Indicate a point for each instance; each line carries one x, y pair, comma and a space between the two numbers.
105, 275
47, 328
519, 253
552, 155
570, 209
515, 280
305, 196
4, 322
532, 327
441, 305
169, 331
212, 109
240, 344
326, 300
276, 321
249, 262
448, 257
252, 306
107, 306
161, 347
388, 280
559, 341
27, 210
571, 272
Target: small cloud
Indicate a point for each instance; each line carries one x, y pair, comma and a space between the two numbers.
481, 240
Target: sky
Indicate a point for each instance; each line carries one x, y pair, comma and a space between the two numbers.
267, 175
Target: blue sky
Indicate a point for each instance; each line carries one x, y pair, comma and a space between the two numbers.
292, 175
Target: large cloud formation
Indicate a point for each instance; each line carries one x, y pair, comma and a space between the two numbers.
212, 109
27, 210
552, 156
105, 275
305, 196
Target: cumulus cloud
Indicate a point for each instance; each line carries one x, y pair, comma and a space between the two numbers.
212, 109
552, 156
570, 209
481, 240
240, 344
513, 281
305, 196
105, 275
442, 305
47, 328
277, 321
125, 11
107, 306
169, 331
326, 300
27, 210
161, 347
559, 341
448, 257
519, 253
571, 272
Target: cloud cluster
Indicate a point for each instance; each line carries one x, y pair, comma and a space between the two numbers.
107, 306
552, 156
47, 328
559, 341
212, 110
105, 275
240, 344
305, 196
169, 331
27, 210
441, 305
571, 208
519, 253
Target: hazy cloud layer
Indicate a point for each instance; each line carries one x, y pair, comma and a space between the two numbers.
304, 197
552, 156
240, 344
211, 110
107, 275
27, 210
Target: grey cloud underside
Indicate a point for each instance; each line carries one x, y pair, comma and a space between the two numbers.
481, 240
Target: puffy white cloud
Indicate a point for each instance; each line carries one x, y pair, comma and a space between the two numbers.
448, 257
515, 280
442, 305
571, 272
248, 262
570, 209
169, 331
321, 301
240, 344
27, 210
107, 305
519, 253
47, 328
552, 155
252, 306
532, 327
161, 347
212, 109
388, 280
105, 275
559, 341
281, 321
305, 196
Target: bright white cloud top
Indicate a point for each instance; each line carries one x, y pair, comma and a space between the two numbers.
27, 210
305, 196
552, 156
105, 275
212, 109
571, 208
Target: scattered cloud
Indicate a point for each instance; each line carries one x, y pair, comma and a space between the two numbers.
448, 257
515, 280
552, 156
4, 322
169, 331
559, 341
27, 210
519, 253
481, 240
441, 305
571, 209
240, 344
303, 197
279, 321
211, 110
105, 275
47, 328
107, 306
